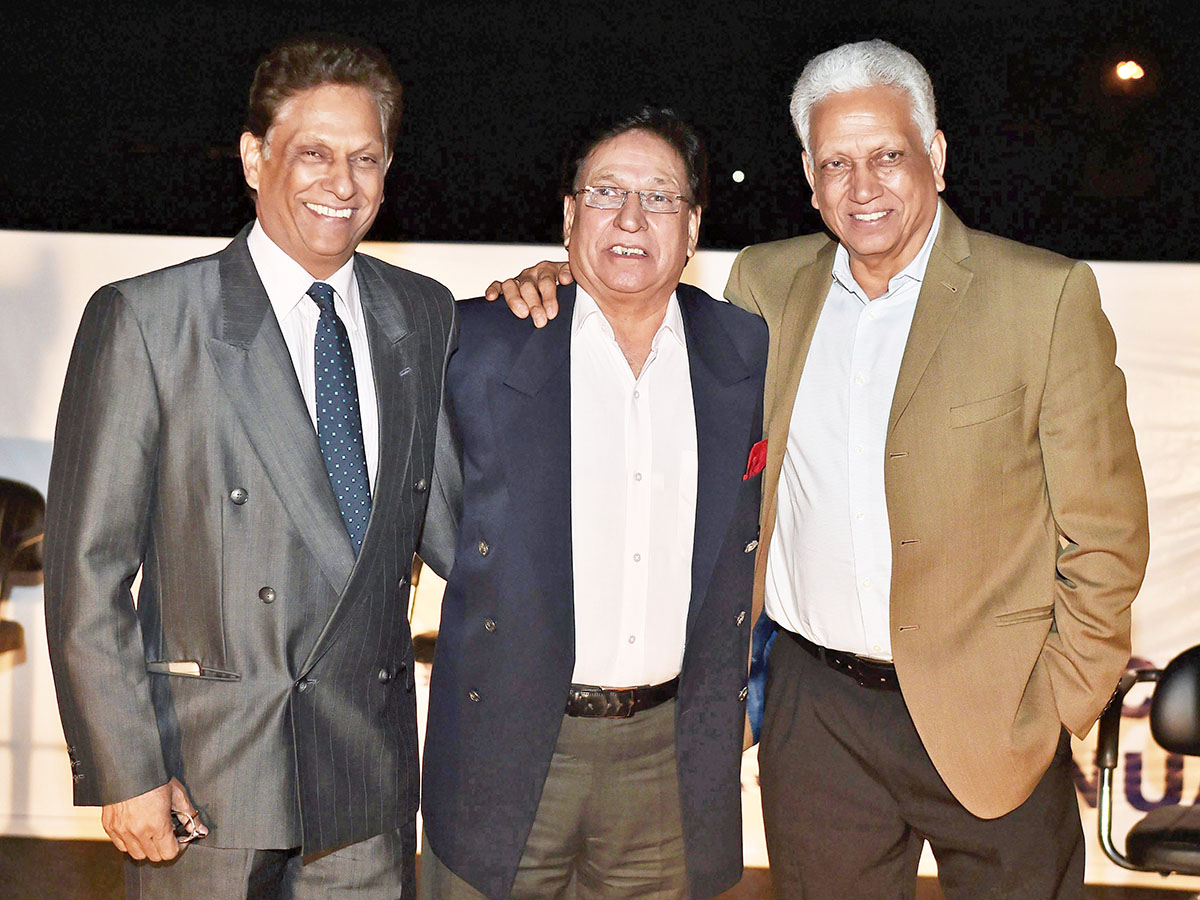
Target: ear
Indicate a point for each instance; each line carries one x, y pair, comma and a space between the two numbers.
937, 159
568, 218
811, 177
251, 149
693, 215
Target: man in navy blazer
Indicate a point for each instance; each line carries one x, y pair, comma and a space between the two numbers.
588, 695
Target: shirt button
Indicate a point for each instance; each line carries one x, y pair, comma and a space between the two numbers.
489, 624
484, 548
876, 648
739, 618
637, 395
858, 448
267, 595
239, 495
858, 379
637, 476
473, 696
421, 486
637, 557
866, 582
633, 639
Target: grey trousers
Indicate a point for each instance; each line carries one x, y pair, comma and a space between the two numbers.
608, 825
379, 868
850, 795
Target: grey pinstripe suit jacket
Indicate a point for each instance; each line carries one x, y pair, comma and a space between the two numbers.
184, 447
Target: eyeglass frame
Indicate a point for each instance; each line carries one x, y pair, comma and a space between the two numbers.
589, 190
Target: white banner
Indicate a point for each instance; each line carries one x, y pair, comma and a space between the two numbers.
1155, 311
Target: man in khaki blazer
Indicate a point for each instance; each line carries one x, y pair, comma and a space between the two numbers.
1015, 518
954, 521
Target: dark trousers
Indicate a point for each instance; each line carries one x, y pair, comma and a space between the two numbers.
850, 795
608, 825
379, 868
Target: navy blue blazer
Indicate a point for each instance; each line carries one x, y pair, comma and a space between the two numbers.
505, 651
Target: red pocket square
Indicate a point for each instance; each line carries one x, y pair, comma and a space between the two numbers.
757, 461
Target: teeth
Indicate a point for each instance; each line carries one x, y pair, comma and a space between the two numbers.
330, 211
870, 217
628, 251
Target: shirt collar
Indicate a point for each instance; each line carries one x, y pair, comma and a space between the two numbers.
287, 282
586, 311
914, 271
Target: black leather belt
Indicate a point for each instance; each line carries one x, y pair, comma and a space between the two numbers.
612, 703
869, 673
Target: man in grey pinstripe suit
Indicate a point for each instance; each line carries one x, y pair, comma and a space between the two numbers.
260, 688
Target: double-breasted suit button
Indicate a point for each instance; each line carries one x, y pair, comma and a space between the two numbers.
484, 548
385, 676
303, 685
739, 618
421, 486
473, 696
489, 624
743, 693
267, 594
749, 548
239, 495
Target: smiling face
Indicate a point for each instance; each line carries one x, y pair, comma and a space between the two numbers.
319, 174
629, 256
872, 179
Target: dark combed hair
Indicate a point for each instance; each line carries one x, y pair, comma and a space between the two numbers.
659, 121
301, 63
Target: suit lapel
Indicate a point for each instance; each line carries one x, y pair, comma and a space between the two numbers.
255, 368
724, 398
397, 389
942, 291
531, 412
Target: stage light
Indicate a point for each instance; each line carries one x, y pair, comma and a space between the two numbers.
739, 176
1128, 70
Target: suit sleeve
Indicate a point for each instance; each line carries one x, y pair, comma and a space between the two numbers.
1098, 500
99, 505
444, 513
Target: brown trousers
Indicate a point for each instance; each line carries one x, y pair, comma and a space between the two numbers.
608, 824
850, 796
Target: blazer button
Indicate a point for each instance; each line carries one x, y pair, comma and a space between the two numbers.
484, 548
739, 618
489, 624
749, 548
239, 495
267, 595
743, 693
473, 696
384, 676
421, 486
303, 685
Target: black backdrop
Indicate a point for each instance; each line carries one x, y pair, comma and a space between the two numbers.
125, 117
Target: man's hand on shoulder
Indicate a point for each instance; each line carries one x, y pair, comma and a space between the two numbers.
142, 826
533, 293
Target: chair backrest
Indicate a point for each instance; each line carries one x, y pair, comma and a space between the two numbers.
22, 523
1175, 706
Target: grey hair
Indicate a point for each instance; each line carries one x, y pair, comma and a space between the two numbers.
865, 64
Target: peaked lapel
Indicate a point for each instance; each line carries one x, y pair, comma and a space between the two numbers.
942, 291
256, 370
387, 316
531, 412
725, 397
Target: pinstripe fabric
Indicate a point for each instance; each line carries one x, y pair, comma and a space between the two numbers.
183, 445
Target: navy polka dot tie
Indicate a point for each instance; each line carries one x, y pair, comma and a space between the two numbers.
339, 423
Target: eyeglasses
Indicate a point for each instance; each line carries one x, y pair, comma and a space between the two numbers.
606, 197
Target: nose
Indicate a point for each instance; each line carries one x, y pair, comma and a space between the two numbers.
339, 179
864, 185
631, 217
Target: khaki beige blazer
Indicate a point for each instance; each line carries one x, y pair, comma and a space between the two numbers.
1014, 494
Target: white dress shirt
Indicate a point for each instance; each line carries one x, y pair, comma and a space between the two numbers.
287, 283
633, 501
829, 569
